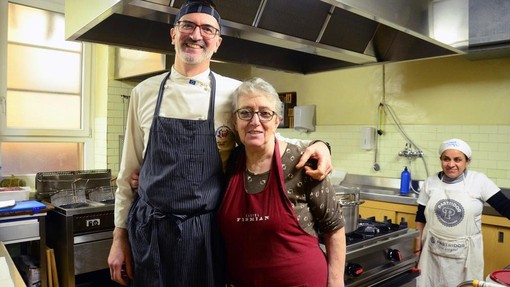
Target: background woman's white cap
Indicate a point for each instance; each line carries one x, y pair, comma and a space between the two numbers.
457, 144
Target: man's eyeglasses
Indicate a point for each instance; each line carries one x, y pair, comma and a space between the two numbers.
187, 27
247, 115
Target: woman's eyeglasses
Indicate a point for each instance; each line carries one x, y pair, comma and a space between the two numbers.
247, 115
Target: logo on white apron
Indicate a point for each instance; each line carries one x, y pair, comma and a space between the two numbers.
225, 140
225, 137
449, 212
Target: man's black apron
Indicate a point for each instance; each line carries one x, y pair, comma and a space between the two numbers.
172, 224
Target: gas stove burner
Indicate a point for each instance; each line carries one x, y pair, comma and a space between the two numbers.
358, 236
361, 234
74, 205
385, 226
369, 230
372, 220
382, 226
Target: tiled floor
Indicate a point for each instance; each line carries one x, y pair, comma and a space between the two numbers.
102, 279
96, 279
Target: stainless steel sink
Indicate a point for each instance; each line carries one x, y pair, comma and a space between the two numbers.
382, 188
392, 192
387, 194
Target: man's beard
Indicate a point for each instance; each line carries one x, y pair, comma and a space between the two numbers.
193, 58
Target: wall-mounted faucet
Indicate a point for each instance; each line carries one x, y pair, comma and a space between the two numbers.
408, 152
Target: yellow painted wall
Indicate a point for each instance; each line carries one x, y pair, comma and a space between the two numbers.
338, 95
433, 100
450, 90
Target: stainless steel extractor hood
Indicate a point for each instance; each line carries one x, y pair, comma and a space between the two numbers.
303, 36
489, 29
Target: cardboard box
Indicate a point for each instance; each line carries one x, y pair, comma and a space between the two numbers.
289, 101
29, 269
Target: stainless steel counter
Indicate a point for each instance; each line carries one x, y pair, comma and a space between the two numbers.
388, 190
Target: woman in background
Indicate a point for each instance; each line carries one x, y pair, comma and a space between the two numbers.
449, 219
272, 213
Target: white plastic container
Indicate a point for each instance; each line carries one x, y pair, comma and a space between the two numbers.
15, 193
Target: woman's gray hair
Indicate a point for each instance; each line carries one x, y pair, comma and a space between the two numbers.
258, 86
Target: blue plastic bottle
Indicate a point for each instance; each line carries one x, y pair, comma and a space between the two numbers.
405, 181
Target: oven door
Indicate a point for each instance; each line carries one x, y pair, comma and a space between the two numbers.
91, 251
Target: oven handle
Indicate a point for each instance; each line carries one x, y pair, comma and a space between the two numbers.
93, 237
383, 273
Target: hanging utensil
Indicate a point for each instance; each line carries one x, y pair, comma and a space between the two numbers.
378, 133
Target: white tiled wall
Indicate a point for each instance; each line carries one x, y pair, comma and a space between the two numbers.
490, 145
117, 112
100, 143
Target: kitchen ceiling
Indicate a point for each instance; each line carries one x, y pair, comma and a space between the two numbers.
302, 36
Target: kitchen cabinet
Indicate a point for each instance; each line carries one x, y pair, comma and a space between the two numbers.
387, 210
24, 228
496, 241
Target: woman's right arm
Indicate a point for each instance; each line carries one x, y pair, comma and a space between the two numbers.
336, 251
418, 240
420, 225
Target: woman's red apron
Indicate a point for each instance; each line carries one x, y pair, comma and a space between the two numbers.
265, 244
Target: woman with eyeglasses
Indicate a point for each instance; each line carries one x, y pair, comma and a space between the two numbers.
272, 213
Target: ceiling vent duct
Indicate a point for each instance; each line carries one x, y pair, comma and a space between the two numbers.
302, 36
